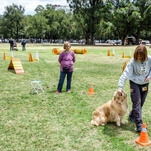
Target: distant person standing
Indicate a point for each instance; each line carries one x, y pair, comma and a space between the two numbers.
66, 60
23, 43
15, 45
11, 42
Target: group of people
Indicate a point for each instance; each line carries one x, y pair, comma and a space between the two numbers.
13, 44
138, 71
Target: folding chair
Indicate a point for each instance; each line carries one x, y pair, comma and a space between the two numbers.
36, 87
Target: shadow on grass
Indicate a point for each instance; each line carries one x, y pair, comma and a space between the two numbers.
11, 70
112, 129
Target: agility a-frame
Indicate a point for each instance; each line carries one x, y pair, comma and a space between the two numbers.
15, 64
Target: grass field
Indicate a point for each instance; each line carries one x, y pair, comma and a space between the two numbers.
61, 122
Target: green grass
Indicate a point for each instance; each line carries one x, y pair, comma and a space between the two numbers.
52, 122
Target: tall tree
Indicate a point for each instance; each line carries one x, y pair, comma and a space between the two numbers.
131, 17
37, 26
39, 9
13, 17
86, 13
59, 23
124, 19
50, 15
144, 20
1, 22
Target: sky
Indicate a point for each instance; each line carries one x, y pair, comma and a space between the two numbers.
29, 5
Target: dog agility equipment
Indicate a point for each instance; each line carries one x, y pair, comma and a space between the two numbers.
79, 51
36, 87
6, 57
143, 139
37, 56
91, 90
123, 56
56, 51
15, 64
109, 53
31, 59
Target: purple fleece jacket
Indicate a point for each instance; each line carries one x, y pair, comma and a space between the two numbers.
66, 59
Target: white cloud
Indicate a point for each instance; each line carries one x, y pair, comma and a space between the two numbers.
29, 5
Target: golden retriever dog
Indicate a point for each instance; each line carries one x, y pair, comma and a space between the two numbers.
112, 111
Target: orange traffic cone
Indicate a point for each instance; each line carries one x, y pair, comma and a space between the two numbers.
143, 139
123, 54
91, 90
108, 53
30, 58
4, 56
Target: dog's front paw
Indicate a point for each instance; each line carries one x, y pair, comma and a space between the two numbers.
125, 122
118, 123
94, 123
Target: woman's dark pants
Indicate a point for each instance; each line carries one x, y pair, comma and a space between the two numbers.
61, 80
138, 96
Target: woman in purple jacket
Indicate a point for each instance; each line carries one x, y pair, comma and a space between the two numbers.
66, 60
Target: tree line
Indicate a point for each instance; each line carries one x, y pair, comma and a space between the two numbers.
88, 19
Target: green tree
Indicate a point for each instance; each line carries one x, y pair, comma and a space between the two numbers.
1, 22
12, 20
39, 9
87, 16
59, 23
130, 18
51, 16
125, 18
37, 26
143, 22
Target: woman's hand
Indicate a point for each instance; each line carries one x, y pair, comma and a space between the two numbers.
119, 92
147, 79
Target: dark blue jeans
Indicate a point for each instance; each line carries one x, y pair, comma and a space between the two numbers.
61, 80
11, 48
138, 96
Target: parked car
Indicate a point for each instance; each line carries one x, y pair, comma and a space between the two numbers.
5, 40
114, 42
145, 42
111, 42
96, 41
130, 40
118, 42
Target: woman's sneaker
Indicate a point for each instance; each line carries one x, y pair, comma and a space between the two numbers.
57, 92
138, 128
